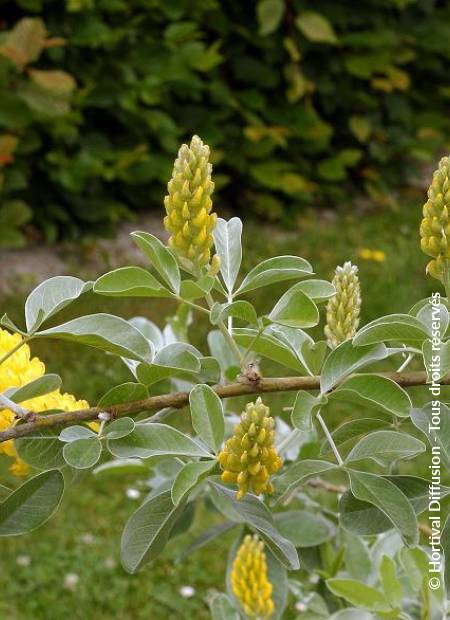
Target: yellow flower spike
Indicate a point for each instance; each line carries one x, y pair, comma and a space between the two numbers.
343, 308
250, 452
435, 225
249, 580
188, 205
18, 370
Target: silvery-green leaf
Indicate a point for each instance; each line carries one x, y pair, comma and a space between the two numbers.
156, 440
268, 346
347, 359
398, 327
434, 317
431, 351
391, 585
103, 331
434, 422
171, 360
222, 608
130, 282
374, 391
160, 257
304, 406
119, 428
147, 531
303, 528
358, 593
150, 330
73, 433
42, 449
295, 309
273, 270
388, 498
345, 434
286, 483
32, 504
207, 416
242, 310
50, 297
385, 447
188, 477
123, 393
38, 387
227, 240
82, 453
253, 512
122, 467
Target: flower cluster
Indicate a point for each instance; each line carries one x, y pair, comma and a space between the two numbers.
18, 370
343, 308
435, 226
188, 205
249, 456
249, 580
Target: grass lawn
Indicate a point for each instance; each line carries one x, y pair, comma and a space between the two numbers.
83, 538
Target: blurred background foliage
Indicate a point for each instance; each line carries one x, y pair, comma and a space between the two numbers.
304, 103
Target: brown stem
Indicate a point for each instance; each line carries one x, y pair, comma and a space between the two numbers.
180, 399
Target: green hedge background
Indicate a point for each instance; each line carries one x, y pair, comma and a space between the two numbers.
304, 103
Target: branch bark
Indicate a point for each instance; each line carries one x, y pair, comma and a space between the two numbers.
180, 399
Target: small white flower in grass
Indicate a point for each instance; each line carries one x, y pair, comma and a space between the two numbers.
110, 563
299, 606
187, 591
314, 579
87, 539
71, 581
23, 560
133, 493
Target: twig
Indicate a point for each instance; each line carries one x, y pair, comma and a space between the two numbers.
180, 399
14, 349
329, 439
20, 412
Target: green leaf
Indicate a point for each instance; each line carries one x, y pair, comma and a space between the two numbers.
122, 467
32, 504
82, 453
374, 391
345, 360
253, 512
315, 27
206, 537
359, 594
270, 14
147, 531
123, 393
50, 297
268, 346
207, 416
130, 282
318, 290
434, 422
227, 239
303, 528
357, 556
366, 519
42, 449
386, 446
119, 428
38, 387
347, 432
398, 327
295, 474
160, 257
170, 361
106, 332
196, 289
188, 477
150, 330
155, 439
295, 309
391, 585
274, 270
241, 309
304, 406
389, 499
429, 352
73, 433
222, 608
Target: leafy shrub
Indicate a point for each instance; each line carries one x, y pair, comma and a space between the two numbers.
372, 537
305, 103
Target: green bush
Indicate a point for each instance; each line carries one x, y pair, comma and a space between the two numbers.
304, 103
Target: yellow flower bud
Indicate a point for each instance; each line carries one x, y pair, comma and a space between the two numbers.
344, 307
188, 205
250, 452
249, 580
435, 226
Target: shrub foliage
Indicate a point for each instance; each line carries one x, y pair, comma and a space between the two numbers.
341, 505
303, 102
